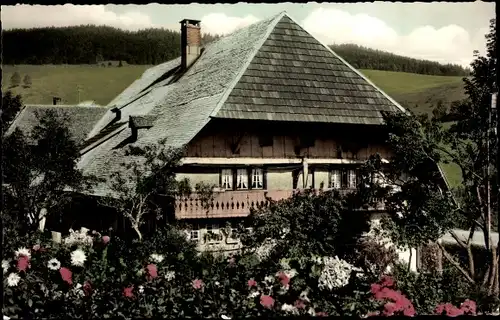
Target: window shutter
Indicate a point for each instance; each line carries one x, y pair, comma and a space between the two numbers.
264, 178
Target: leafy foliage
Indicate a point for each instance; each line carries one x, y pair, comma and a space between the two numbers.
421, 208
307, 223
39, 175
11, 105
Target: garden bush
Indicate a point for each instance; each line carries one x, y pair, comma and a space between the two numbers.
92, 275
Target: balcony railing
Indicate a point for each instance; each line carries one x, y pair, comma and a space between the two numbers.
230, 204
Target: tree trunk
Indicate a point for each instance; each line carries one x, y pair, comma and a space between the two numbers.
136, 229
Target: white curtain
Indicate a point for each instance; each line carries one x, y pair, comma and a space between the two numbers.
242, 179
257, 178
335, 179
227, 179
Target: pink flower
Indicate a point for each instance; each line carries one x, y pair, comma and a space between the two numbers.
372, 314
299, 304
87, 288
252, 283
387, 282
468, 307
321, 314
127, 292
22, 263
448, 309
267, 301
152, 271
105, 239
36, 247
284, 279
197, 284
66, 275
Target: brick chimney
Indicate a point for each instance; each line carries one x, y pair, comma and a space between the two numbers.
190, 41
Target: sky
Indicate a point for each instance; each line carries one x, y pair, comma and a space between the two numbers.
438, 31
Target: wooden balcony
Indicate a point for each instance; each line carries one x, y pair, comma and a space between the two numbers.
230, 204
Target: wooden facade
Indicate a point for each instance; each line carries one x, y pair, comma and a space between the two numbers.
289, 157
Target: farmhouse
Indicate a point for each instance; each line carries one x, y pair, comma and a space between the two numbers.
262, 112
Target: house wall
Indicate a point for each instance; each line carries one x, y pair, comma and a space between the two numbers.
218, 145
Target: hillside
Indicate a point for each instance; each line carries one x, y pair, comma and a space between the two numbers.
90, 44
102, 84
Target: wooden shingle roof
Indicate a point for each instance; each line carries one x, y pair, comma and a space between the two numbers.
271, 70
81, 119
294, 77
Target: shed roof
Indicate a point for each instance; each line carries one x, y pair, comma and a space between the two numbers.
81, 119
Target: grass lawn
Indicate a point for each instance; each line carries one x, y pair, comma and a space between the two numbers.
411, 89
100, 84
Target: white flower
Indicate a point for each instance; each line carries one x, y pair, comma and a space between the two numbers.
217, 283
78, 258
78, 238
6, 318
303, 296
284, 263
254, 294
23, 252
78, 290
335, 273
156, 257
290, 273
54, 264
225, 317
141, 289
269, 279
265, 249
170, 275
5, 265
13, 279
311, 312
289, 308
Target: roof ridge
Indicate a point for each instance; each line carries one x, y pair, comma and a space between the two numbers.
270, 28
351, 67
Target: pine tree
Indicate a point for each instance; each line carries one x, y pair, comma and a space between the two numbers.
15, 80
27, 81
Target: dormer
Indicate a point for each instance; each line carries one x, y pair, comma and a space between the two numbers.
135, 123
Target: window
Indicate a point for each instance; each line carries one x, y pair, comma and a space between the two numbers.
227, 179
335, 179
343, 179
257, 178
351, 179
194, 235
245, 179
241, 179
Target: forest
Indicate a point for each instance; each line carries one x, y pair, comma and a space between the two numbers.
89, 44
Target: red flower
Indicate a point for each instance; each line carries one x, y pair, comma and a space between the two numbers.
87, 288
449, 310
22, 263
105, 239
252, 283
197, 284
127, 292
66, 275
152, 271
299, 304
284, 279
375, 288
468, 307
387, 282
267, 301
321, 314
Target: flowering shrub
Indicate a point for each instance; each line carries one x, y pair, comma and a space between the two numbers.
164, 277
396, 303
